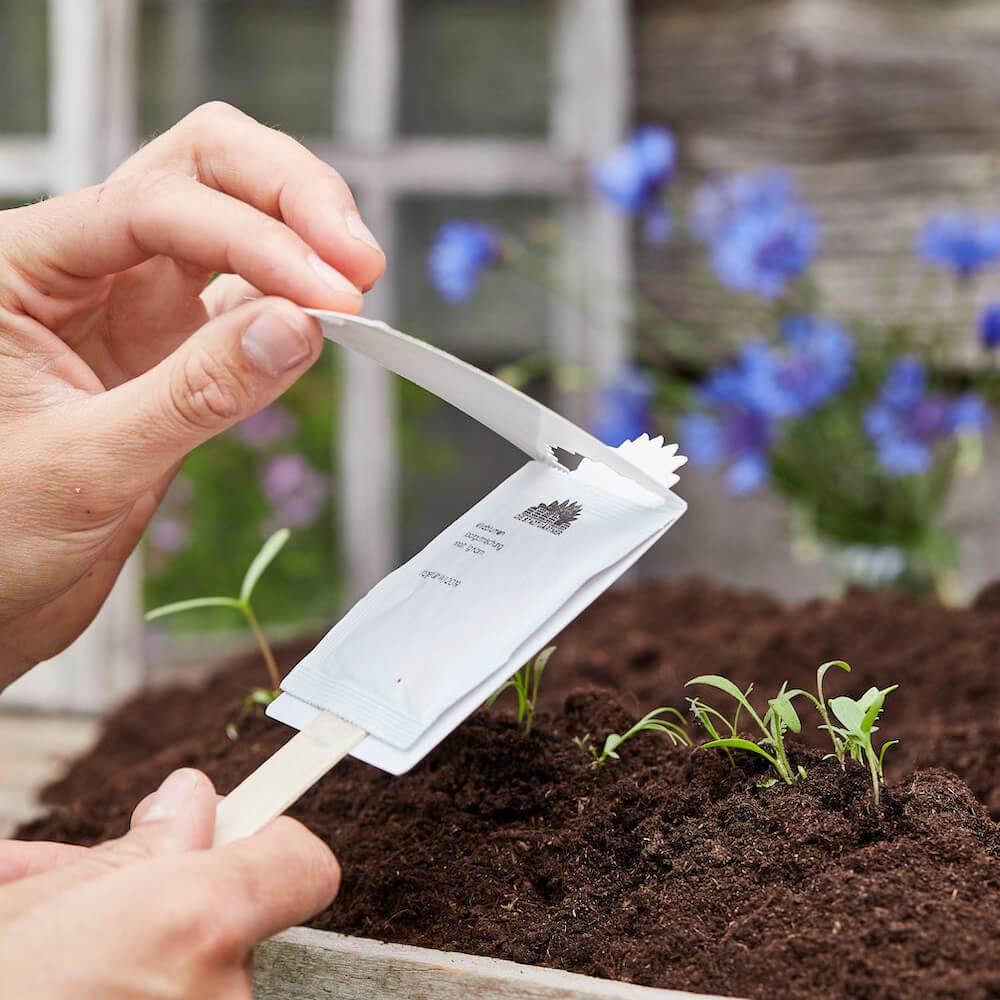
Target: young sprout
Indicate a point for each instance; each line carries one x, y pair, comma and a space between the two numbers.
821, 706
653, 722
779, 718
857, 724
525, 684
263, 559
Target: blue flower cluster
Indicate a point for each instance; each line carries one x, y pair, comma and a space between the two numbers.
460, 253
634, 176
745, 403
906, 421
622, 410
761, 236
960, 242
989, 326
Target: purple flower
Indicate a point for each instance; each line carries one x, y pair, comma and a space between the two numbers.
622, 411
634, 176
989, 326
269, 426
960, 242
460, 253
168, 534
295, 490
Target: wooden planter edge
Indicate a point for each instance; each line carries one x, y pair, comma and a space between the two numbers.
305, 964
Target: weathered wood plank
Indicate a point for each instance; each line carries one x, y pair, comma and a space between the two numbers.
883, 110
304, 964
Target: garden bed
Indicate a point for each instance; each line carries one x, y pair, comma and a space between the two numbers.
665, 868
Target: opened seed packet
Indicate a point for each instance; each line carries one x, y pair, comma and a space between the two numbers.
436, 637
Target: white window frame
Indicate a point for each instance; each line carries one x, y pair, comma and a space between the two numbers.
93, 112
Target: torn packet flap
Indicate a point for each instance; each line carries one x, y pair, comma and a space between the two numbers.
523, 421
425, 647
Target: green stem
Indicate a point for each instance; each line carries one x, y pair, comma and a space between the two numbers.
265, 648
874, 768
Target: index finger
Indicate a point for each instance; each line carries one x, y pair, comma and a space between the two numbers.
275, 879
228, 150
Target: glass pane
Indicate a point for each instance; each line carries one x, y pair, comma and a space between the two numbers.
449, 460
23, 65
276, 61
476, 67
271, 471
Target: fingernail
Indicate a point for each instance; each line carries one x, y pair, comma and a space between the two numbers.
173, 796
274, 345
357, 228
332, 278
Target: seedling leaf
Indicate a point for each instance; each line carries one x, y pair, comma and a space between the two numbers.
261, 561
881, 753
191, 605
738, 743
849, 712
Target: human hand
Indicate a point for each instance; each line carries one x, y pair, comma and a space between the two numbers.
155, 915
118, 356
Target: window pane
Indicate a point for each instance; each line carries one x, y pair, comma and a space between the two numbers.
23, 65
449, 460
269, 472
476, 67
276, 61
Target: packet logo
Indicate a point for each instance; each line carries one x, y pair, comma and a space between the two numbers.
553, 517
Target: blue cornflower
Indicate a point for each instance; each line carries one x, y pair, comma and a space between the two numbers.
969, 414
460, 253
960, 242
905, 421
815, 364
989, 326
622, 410
633, 177
738, 436
762, 251
819, 361
717, 203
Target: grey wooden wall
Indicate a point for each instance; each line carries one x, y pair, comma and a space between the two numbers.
883, 112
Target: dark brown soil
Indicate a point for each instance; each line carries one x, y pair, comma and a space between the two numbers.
668, 867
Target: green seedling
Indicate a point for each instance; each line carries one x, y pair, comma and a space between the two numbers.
525, 684
653, 722
857, 724
780, 718
820, 702
263, 559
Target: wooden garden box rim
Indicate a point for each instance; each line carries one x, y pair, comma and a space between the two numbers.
307, 964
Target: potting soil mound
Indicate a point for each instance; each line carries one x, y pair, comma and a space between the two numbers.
666, 867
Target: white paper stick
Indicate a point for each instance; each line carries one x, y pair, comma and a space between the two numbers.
284, 777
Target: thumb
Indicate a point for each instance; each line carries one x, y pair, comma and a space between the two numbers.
231, 367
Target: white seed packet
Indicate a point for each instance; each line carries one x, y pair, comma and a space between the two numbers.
429, 643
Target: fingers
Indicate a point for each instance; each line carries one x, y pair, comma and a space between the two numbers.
281, 178
229, 369
20, 859
111, 228
178, 818
227, 292
280, 877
